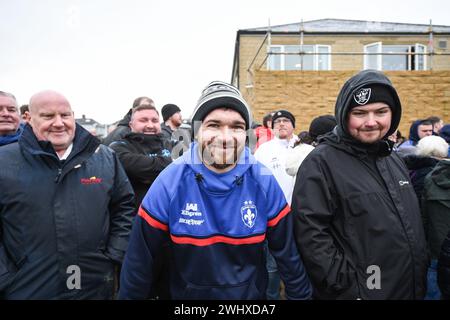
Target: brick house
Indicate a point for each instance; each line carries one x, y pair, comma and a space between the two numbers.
302, 66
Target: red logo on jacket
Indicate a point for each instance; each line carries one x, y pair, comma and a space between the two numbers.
91, 180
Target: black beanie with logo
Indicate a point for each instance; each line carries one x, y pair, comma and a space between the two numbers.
371, 94
219, 94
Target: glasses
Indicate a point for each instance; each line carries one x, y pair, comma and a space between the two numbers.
281, 120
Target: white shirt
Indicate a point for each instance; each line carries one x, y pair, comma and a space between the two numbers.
273, 155
66, 153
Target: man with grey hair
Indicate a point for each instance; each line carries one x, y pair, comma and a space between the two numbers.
65, 209
10, 128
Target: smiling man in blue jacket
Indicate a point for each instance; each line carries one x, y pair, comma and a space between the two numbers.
217, 207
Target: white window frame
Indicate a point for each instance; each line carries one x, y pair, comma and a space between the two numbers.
416, 57
269, 63
316, 48
379, 50
379, 57
315, 56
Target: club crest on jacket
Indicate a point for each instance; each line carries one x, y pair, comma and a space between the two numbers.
249, 213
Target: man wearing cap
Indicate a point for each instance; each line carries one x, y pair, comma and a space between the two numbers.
321, 125
217, 209
172, 120
357, 220
273, 153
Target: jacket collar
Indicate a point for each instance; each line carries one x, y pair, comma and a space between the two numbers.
83, 143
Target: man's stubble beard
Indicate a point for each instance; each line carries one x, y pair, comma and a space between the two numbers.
210, 160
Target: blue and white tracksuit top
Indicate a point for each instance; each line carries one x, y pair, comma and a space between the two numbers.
216, 225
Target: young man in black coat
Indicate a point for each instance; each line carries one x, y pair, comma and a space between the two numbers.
357, 221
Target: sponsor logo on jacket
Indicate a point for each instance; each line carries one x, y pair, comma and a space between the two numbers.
91, 180
191, 216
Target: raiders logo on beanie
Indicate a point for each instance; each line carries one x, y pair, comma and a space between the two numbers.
371, 94
219, 94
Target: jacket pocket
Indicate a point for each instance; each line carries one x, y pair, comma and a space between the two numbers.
361, 204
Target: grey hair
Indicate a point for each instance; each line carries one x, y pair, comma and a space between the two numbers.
10, 95
432, 146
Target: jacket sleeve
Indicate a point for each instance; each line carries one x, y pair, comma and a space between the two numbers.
443, 269
7, 267
121, 210
313, 206
146, 241
282, 246
139, 166
150, 232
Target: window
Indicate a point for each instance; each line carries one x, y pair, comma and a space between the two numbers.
394, 57
318, 57
372, 60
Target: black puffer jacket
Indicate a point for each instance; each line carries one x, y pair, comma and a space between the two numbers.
56, 216
143, 157
356, 214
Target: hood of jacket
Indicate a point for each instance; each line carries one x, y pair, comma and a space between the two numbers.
125, 121
441, 175
416, 162
364, 78
413, 134
445, 133
342, 108
352, 146
217, 182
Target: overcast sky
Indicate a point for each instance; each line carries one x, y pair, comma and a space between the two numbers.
102, 54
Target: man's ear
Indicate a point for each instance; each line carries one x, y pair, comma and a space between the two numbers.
26, 116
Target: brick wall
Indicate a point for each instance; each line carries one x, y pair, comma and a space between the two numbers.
308, 94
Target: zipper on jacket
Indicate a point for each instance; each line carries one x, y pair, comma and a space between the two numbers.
58, 175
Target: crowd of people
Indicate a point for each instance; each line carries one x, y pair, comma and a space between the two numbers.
229, 209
